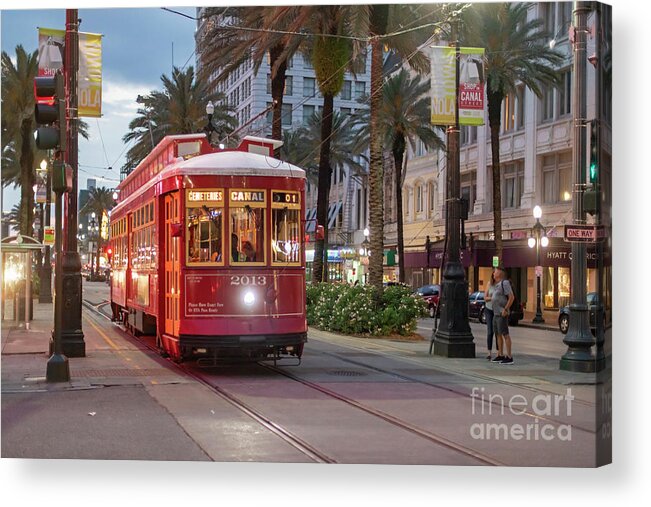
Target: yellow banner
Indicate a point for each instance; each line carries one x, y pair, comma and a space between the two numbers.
89, 79
471, 85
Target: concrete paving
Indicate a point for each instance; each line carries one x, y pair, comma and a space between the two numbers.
125, 402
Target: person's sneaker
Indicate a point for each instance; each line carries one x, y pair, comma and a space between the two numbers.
498, 359
507, 360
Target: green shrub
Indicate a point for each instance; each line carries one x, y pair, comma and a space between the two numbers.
354, 310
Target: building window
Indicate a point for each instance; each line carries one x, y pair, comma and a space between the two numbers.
307, 62
565, 94
469, 189
512, 184
289, 85
360, 89
308, 111
519, 116
419, 198
309, 84
346, 90
270, 113
287, 115
557, 178
406, 201
547, 104
508, 113
268, 84
431, 196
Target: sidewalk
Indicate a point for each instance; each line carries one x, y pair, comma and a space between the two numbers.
105, 411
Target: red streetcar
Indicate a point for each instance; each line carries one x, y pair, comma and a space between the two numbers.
208, 250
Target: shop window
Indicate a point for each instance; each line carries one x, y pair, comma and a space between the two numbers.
563, 287
548, 287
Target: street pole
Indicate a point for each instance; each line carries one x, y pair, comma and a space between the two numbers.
579, 339
72, 336
45, 293
58, 369
538, 231
599, 311
453, 337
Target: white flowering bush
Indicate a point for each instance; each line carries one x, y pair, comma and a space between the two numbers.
354, 309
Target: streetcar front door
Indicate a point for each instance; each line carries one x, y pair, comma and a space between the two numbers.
172, 264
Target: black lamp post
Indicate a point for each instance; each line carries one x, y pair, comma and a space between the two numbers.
93, 230
210, 128
537, 240
364, 251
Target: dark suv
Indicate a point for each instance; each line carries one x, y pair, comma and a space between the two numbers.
431, 294
564, 315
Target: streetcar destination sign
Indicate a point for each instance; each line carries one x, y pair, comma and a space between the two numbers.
584, 233
247, 196
214, 195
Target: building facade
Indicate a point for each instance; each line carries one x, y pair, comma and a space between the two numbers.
536, 142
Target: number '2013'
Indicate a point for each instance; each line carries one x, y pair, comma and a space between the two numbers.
248, 280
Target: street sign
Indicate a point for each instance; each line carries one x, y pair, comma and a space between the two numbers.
48, 236
584, 233
496, 261
539, 271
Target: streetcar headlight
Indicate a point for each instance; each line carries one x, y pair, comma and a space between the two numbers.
249, 298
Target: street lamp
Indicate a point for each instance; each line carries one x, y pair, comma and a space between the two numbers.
210, 128
93, 230
537, 240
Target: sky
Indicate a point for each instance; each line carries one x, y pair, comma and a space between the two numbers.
138, 46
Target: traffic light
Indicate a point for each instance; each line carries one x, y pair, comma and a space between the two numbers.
594, 151
109, 254
50, 111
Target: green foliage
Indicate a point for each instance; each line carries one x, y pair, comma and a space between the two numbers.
353, 309
330, 60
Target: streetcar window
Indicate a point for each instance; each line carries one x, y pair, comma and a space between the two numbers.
204, 237
247, 234
285, 238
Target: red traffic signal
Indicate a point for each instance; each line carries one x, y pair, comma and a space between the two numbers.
320, 234
109, 253
50, 110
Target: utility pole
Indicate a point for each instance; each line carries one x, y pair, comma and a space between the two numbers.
453, 337
72, 336
579, 339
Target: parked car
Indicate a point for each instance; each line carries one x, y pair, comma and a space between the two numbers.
477, 303
564, 315
431, 294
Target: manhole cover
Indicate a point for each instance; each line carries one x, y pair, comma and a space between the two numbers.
346, 373
122, 372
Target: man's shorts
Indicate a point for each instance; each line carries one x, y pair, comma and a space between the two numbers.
500, 325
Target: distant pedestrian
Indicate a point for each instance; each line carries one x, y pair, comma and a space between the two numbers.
488, 317
502, 300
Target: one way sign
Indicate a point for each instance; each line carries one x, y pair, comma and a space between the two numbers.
584, 233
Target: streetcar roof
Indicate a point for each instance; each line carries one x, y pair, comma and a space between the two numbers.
234, 162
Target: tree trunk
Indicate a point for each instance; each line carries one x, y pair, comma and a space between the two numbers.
277, 91
398, 154
494, 119
27, 179
376, 179
319, 272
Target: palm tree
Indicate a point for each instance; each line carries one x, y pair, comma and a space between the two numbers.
179, 109
404, 118
18, 126
516, 52
100, 201
403, 29
234, 35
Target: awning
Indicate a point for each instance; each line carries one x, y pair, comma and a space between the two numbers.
333, 211
310, 223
